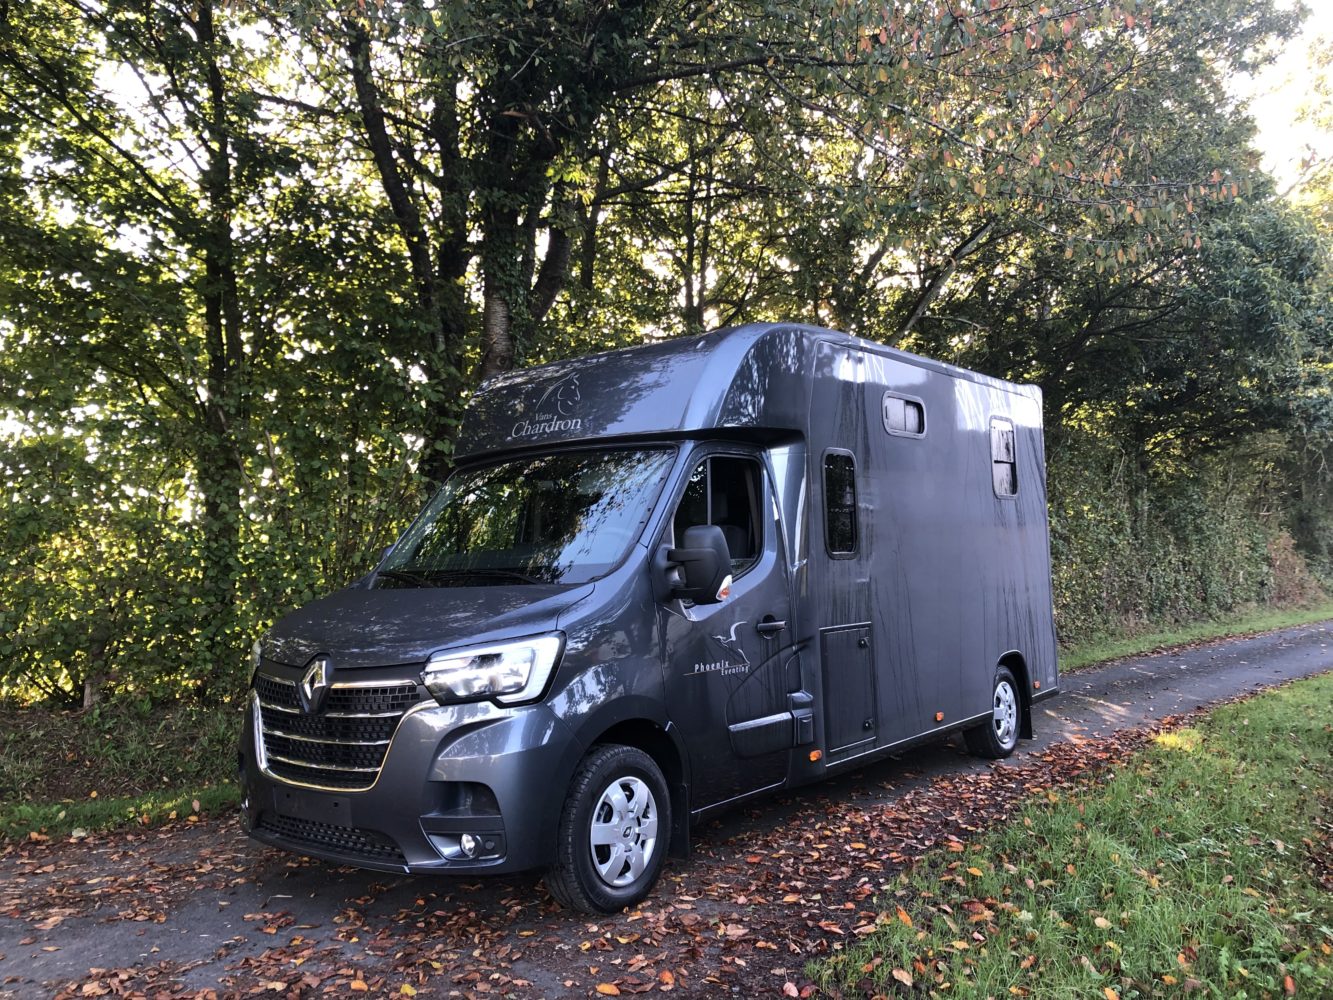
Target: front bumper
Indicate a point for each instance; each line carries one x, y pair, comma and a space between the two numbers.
498, 774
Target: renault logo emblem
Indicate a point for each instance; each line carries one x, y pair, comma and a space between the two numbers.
315, 683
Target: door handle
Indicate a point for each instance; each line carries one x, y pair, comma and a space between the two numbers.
770, 626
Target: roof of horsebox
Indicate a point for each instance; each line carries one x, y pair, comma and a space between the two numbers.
754, 376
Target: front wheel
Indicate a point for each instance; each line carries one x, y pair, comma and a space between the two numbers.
613, 831
997, 736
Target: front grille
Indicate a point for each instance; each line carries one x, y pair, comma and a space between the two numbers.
368, 844
322, 753
322, 777
329, 727
344, 744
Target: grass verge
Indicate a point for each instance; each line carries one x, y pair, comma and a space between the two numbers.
47, 820
62, 771
1250, 622
1202, 867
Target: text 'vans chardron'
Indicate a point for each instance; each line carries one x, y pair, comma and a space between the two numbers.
661, 580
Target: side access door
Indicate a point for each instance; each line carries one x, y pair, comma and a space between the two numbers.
731, 666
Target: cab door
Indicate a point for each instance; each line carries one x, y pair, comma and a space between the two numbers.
731, 666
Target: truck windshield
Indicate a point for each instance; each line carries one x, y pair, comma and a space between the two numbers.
564, 518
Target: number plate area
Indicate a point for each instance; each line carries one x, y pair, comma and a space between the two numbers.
335, 810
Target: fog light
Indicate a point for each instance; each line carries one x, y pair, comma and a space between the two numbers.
468, 844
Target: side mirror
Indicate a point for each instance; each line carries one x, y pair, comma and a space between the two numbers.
705, 564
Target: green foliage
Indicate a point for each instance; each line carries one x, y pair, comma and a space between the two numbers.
213, 392
122, 749
256, 258
1187, 865
1135, 548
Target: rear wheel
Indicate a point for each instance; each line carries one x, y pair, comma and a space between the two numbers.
613, 831
998, 735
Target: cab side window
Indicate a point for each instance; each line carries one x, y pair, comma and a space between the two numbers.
725, 490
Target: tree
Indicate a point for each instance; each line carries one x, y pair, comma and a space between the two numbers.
173, 266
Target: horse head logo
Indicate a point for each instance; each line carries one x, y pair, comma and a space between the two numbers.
562, 396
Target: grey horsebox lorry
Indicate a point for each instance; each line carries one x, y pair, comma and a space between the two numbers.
659, 581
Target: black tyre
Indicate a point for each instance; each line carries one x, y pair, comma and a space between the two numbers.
613, 833
997, 736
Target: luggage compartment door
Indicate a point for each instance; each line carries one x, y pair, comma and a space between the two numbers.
850, 700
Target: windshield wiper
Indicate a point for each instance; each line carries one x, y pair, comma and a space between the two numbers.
415, 579
487, 572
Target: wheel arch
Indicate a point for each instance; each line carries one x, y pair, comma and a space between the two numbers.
662, 743
1017, 664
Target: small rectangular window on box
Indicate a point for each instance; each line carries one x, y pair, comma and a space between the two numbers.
903, 415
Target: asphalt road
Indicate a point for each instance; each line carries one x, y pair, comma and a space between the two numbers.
197, 906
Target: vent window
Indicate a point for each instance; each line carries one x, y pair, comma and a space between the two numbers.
904, 415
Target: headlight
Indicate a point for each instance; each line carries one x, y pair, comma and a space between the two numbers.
509, 672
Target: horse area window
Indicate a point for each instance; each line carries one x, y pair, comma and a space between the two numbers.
840, 527
1004, 465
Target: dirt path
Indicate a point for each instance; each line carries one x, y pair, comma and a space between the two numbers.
198, 910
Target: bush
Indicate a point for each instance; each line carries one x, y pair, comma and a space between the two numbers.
1137, 546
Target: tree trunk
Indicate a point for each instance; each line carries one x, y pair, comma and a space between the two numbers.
220, 472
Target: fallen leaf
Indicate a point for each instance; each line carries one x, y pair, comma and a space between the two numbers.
358, 986
903, 976
789, 989
608, 989
1103, 923
1109, 993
